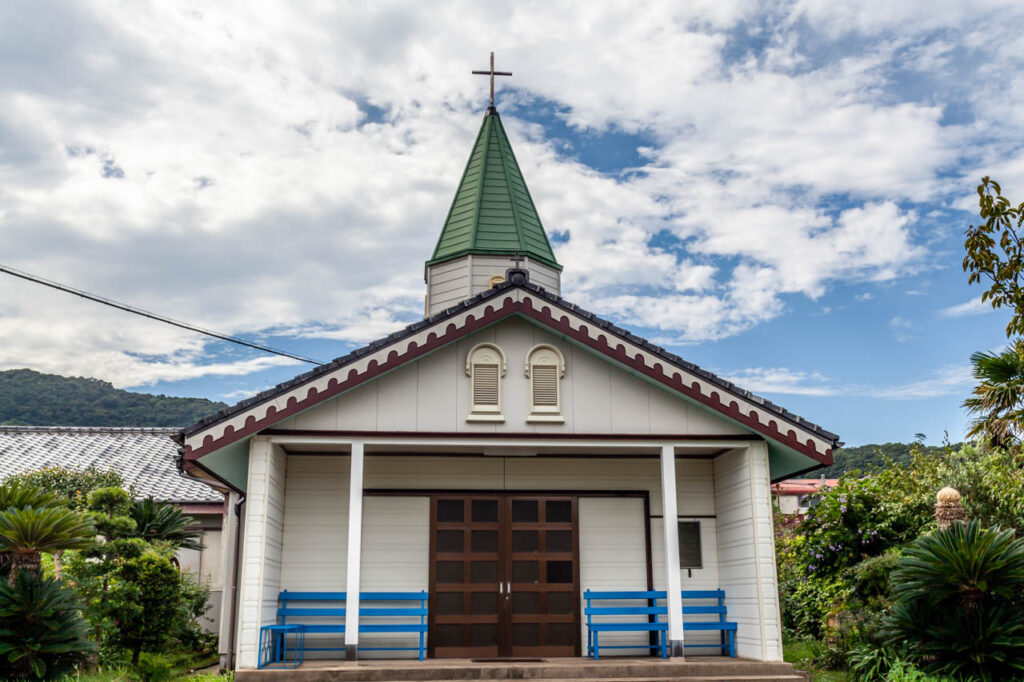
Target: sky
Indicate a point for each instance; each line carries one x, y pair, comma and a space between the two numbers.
776, 191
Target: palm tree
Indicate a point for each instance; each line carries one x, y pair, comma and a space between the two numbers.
28, 532
957, 602
42, 631
14, 494
996, 406
156, 521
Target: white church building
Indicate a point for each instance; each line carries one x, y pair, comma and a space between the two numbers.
504, 454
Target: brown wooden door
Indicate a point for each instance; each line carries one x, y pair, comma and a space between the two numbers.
541, 614
504, 576
465, 576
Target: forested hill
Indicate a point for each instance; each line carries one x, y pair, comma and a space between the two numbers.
867, 456
35, 399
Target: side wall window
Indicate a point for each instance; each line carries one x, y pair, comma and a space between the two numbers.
545, 367
485, 366
689, 545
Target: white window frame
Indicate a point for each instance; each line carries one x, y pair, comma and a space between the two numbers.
484, 354
545, 354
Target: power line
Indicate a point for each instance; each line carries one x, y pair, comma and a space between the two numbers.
153, 316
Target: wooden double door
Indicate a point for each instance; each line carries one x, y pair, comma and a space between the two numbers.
504, 576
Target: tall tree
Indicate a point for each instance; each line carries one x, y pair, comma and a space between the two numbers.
996, 404
995, 253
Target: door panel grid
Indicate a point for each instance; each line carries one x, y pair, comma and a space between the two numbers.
504, 576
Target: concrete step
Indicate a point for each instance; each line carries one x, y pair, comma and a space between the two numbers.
650, 670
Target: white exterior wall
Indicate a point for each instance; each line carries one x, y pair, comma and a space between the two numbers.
261, 550
456, 280
613, 556
746, 551
729, 496
433, 395
396, 558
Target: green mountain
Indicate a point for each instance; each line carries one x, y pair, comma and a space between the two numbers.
34, 399
875, 455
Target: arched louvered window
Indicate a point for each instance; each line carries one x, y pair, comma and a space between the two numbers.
485, 366
545, 368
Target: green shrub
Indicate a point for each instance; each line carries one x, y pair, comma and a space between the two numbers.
144, 600
154, 668
958, 602
42, 632
901, 671
872, 663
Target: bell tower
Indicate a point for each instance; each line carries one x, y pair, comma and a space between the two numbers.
491, 223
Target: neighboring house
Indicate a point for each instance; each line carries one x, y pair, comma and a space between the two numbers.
506, 453
798, 495
145, 458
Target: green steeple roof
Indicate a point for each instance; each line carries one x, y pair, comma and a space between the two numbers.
492, 212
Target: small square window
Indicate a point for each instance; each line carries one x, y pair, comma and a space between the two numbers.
689, 545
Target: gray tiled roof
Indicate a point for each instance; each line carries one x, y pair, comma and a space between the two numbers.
145, 457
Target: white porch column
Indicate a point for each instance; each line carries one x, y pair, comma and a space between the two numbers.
354, 555
670, 517
228, 551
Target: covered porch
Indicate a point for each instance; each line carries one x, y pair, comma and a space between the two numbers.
505, 534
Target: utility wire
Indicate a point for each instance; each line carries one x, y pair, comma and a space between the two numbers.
153, 316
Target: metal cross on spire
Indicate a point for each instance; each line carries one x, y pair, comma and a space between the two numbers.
492, 73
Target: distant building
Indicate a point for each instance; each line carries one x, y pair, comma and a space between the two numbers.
798, 495
145, 457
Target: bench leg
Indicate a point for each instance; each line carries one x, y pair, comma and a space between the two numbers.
732, 644
421, 646
664, 644
597, 646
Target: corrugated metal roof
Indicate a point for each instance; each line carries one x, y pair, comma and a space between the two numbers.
145, 457
492, 212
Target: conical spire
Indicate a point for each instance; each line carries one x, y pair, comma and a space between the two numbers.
492, 213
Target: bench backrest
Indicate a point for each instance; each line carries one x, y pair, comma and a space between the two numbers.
652, 597
285, 611
651, 609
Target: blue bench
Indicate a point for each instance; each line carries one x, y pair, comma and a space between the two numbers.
649, 609
650, 599
727, 629
273, 638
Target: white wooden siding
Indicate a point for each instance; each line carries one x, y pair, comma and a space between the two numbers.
613, 556
447, 284
433, 395
261, 552
296, 527
396, 558
315, 524
746, 547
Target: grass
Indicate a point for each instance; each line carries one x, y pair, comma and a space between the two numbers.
185, 665
802, 652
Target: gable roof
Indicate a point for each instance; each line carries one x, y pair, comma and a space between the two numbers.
492, 212
486, 308
145, 457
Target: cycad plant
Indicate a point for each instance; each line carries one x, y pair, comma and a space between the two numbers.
996, 406
958, 602
42, 632
15, 495
28, 532
160, 521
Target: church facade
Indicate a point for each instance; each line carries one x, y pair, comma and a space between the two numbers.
506, 453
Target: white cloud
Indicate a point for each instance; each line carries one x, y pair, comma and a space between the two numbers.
948, 380
255, 166
782, 380
951, 380
973, 307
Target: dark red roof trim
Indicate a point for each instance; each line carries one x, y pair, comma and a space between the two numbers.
606, 340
